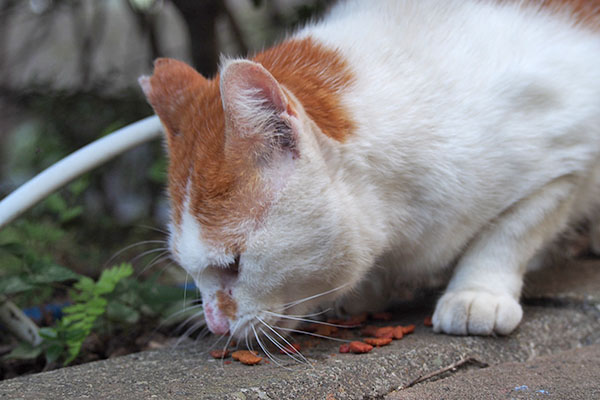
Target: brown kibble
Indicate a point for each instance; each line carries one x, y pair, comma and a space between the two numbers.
384, 332
247, 357
398, 332
360, 347
219, 353
378, 341
236, 354
291, 348
427, 321
382, 316
345, 348
408, 329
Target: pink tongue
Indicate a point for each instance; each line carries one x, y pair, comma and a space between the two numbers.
216, 320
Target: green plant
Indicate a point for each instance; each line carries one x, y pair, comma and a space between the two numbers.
67, 336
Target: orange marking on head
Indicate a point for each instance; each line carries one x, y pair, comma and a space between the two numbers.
316, 75
226, 304
224, 182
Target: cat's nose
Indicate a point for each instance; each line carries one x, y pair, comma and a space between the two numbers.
216, 320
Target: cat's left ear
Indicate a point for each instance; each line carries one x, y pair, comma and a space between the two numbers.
257, 110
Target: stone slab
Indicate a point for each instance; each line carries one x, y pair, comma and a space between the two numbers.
563, 314
573, 374
189, 373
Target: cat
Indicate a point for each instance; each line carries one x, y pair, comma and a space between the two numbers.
392, 141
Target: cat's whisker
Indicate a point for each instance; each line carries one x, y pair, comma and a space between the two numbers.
132, 246
282, 338
283, 316
312, 334
190, 330
145, 253
311, 315
156, 260
182, 311
198, 315
264, 348
153, 228
295, 303
280, 347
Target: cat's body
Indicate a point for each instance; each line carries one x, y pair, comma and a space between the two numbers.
388, 143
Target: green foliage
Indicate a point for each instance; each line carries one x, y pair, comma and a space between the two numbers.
67, 336
28, 272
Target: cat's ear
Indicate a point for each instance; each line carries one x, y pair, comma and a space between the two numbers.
257, 110
171, 90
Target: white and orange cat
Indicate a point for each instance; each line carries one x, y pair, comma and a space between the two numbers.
390, 142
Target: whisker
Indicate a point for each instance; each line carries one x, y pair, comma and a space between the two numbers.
310, 315
152, 228
191, 318
280, 347
312, 334
246, 338
182, 311
156, 260
145, 253
193, 328
264, 349
131, 246
294, 303
310, 320
284, 339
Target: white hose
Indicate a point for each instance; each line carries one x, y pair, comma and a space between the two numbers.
77, 164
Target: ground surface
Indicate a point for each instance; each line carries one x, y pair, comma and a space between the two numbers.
554, 354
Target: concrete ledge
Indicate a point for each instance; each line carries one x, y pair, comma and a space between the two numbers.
551, 326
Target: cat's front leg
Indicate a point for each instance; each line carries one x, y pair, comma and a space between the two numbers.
482, 297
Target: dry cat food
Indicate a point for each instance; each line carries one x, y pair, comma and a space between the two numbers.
375, 336
345, 348
219, 353
377, 342
360, 347
247, 357
427, 321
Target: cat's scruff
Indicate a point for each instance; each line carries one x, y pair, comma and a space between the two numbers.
388, 143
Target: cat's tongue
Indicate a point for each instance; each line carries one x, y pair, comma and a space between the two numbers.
216, 320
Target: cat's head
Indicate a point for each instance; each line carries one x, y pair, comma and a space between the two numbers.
257, 220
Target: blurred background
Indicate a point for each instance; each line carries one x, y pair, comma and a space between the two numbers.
68, 76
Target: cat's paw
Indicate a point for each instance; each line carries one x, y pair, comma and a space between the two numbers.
472, 312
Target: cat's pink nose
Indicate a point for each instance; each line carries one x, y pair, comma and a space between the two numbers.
217, 321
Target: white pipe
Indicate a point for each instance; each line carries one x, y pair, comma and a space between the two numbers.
76, 164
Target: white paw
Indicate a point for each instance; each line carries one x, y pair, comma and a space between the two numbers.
472, 312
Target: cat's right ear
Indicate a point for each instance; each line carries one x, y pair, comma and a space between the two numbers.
171, 90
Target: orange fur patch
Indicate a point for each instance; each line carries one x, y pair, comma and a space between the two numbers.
225, 187
226, 304
316, 75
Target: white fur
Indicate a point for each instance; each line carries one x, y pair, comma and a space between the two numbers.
477, 142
